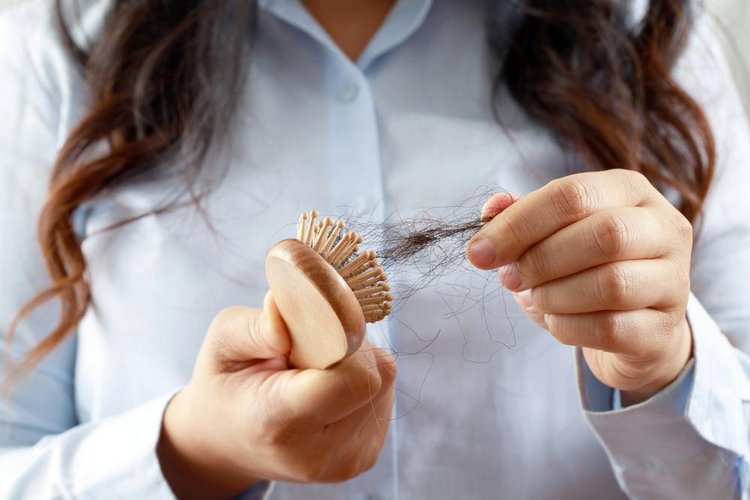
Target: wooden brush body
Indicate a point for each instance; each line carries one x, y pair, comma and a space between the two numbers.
324, 317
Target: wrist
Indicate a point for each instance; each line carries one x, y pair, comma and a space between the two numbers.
189, 467
665, 370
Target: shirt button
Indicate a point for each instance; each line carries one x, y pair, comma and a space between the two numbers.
348, 92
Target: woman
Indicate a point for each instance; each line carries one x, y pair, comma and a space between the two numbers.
183, 138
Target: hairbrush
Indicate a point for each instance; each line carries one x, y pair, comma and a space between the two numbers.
326, 290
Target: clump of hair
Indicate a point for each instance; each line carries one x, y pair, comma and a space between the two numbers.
427, 245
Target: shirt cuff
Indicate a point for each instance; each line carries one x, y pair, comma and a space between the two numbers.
597, 397
118, 454
123, 451
704, 406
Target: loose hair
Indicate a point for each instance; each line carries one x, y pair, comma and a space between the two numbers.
165, 76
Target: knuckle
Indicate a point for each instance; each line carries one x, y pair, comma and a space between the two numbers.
608, 330
219, 338
612, 236
572, 198
389, 371
683, 228
636, 182
535, 264
614, 285
364, 382
224, 318
633, 176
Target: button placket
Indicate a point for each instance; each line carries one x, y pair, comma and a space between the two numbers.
354, 152
356, 172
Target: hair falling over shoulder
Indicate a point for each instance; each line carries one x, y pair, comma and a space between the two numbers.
166, 74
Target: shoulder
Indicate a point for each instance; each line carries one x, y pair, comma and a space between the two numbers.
36, 21
43, 93
29, 33
41, 80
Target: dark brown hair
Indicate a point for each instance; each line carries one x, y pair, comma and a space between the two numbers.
166, 74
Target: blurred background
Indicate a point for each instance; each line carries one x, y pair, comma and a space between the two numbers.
733, 25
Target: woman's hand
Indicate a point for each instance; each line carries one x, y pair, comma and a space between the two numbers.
602, 261
246, 416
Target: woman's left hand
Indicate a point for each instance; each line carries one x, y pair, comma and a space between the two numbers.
602, 261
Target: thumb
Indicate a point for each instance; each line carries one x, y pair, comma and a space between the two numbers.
244, 333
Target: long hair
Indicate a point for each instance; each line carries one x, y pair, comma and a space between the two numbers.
166, 74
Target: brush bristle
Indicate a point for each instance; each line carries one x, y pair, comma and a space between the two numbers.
360, 270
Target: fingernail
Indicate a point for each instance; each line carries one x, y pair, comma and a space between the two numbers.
525, 299
481, 252
496, 204
509, 276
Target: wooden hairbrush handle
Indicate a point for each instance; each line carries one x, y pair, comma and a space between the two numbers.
324, 318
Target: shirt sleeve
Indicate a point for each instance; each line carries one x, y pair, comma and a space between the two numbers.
692, 439
44, 451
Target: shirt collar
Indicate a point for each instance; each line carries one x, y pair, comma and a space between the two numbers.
403, 20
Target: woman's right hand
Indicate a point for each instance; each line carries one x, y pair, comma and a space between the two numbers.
246, 416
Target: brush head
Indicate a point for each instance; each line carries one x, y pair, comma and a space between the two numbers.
361, 271
325, 291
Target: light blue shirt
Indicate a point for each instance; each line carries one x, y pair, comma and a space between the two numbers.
488, 405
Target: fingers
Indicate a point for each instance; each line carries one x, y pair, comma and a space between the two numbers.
264, 420
376, 410
360, 436
602, 261
618, 286
556, 205
345, 423
239, 335
348, 447
245, 334
641, 333
611, 236
371, 424
320, 397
